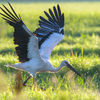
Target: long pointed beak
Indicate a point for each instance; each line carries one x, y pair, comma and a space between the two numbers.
69, 66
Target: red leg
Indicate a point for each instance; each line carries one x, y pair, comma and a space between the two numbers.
24, 84
33, 81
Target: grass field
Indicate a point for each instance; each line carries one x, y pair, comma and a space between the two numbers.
81, 47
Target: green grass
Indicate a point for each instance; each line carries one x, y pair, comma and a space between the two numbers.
81, 47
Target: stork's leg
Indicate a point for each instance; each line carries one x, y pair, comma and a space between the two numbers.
33, 80
24, 84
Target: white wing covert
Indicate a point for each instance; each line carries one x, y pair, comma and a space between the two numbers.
51, 31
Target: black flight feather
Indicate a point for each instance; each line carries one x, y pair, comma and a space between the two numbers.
54, 23
50, 19
56, 14
59, 12
52, 15
21, 37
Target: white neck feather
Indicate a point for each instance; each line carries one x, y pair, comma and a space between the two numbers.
58, 69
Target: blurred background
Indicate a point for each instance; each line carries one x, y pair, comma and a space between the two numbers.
47, 0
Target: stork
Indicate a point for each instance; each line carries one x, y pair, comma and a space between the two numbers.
34, 49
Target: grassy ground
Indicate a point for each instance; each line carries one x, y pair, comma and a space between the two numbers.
81, 47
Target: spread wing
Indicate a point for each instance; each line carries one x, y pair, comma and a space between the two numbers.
50, 32
27, 43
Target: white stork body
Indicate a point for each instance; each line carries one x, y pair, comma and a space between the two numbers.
34, 49
34, 66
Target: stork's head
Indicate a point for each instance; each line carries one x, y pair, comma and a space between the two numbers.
66, 63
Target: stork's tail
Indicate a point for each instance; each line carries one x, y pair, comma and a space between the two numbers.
16, 66
8, 65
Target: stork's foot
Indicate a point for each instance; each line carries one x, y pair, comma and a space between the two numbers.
26, 85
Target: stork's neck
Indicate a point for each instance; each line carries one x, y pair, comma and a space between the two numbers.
57, 69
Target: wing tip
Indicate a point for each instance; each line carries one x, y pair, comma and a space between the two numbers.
10, 17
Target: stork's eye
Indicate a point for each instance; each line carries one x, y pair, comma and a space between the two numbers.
66, 62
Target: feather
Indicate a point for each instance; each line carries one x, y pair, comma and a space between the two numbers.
55, 11
27, 44
59, 12
48, 28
